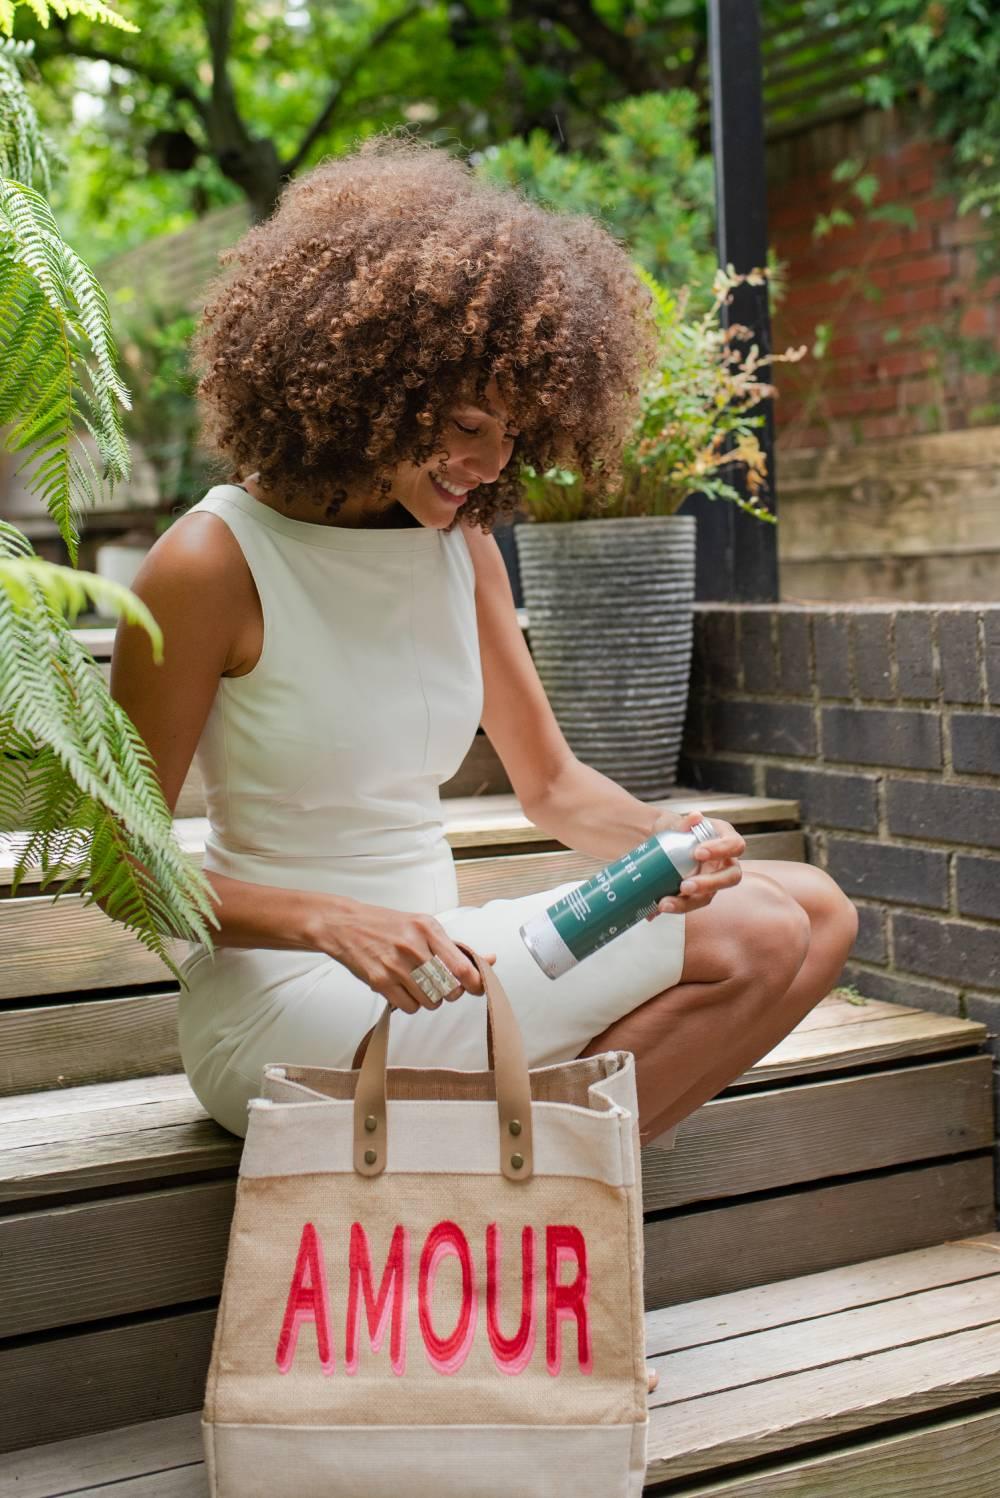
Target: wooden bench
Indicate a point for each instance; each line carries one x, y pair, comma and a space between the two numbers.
875, 1380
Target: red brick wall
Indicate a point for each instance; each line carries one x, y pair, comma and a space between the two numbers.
870, 389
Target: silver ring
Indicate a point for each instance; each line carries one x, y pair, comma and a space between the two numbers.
434, 978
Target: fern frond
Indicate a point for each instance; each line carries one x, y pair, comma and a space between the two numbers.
92, 10
73, 769
69, 591
25, 150
51, 307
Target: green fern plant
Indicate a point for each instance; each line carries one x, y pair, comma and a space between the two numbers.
79, 794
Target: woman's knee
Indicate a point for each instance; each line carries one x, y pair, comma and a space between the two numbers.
755, 932
833, 918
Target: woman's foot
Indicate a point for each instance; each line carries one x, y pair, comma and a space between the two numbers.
653, 1379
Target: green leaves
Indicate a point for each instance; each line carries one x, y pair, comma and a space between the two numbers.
42, 10
58, 362
644, 180
694, 420
948, 53
73, 770
79, 793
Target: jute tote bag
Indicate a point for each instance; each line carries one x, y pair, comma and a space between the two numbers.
434, 1281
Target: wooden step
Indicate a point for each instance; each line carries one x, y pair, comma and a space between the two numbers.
474, 825
116, 1199
845, 1384
125, 1127
67, 946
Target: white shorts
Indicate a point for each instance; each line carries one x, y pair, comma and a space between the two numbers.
247, 1008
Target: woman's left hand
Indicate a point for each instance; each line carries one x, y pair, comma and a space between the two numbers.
717, 864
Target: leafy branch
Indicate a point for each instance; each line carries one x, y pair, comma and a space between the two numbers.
695, 418
79, 793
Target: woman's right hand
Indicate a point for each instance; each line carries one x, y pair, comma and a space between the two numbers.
382, 947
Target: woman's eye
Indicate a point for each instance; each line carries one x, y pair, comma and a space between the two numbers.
471, 430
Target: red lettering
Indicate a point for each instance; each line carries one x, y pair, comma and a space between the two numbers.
386, 1309
392, 1288
446, 1354
511, 1354
308, 1300
564, 1243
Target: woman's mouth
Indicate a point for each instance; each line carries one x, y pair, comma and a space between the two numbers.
455, 499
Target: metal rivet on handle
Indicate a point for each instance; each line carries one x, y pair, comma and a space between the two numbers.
517, 1161
515, 1126
371, 1123
370, 1157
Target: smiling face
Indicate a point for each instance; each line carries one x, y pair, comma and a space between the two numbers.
478, 441
474, 449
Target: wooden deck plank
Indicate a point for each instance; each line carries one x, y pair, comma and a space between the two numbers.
70, 1102
908, 1321
477, 821
745, 1424
837, 1372
96, 1039
117, 1159
890, 1039
715, 1250
482, 879
468, 820
735, 1145
163, 1247
698, 1322
105, 1040
61, 1467
155, 1123
95, 1260
188, 1482
956, 1458
58, 1387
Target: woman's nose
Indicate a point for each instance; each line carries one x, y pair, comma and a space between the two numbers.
490, 460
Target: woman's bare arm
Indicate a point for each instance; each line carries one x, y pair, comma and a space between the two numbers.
198, 587
200, 591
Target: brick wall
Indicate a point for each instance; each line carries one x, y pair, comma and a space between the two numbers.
875, 277
885, 725
886, 484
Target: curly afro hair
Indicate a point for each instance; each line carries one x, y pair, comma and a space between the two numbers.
390, 283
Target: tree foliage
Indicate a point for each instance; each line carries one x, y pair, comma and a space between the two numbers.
644, 178
948, 53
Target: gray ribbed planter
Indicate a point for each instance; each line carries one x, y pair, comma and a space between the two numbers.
610, 613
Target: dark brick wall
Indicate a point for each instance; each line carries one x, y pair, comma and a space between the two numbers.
884, 724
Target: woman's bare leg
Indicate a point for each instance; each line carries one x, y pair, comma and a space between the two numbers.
757, 959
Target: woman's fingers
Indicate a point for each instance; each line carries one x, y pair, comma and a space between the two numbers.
726, 844
696, 892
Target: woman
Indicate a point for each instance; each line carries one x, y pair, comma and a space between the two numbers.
339, 621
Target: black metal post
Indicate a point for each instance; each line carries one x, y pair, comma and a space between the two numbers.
738, 555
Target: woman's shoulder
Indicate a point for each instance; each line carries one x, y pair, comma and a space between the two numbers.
487, 559
198, 551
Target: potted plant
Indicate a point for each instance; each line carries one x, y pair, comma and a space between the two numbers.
608, 577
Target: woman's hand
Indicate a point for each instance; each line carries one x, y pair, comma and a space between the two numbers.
382, 947
717, 865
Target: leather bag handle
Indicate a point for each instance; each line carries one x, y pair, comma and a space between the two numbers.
508, 1063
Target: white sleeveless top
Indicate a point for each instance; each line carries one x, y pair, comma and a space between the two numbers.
322, 765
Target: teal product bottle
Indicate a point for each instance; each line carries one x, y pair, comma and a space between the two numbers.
617, 897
